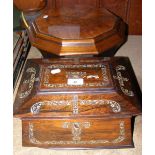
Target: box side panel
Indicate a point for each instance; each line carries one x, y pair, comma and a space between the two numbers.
77, 133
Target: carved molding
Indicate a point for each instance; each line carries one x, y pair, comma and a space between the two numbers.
30, 82
77, 141
121, 80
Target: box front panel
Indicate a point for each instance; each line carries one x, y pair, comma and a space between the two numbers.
77, 133
81, 105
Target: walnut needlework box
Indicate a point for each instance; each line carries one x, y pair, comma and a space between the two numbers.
77, 103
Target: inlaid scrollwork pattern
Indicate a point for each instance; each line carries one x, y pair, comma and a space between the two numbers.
75, 74
121, 80
75, 105
77, 140
35, 108
76, 66
75, 102
113, 104
30, 82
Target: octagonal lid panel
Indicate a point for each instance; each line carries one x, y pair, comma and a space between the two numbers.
76, 30
75, 23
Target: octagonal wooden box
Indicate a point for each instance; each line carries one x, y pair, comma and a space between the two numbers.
73, 30
77, 103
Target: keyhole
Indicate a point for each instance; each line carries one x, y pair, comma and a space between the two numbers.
76, 126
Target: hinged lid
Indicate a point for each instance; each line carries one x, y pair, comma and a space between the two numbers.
77, 87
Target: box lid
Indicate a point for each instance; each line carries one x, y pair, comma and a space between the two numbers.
76, 30
77, 87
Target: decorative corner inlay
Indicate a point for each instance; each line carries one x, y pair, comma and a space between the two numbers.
30, 82
121, 134
121, 80
32, 139
35, 108
76, 132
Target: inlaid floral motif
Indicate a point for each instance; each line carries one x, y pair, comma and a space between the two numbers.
76, 133
75, 102
75, 74
30, 82
121, 80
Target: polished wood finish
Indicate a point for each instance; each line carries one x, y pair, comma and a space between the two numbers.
135, 17
129, 10
70, 3
100, 133
77, 30
119, 7
77, 103
29, 6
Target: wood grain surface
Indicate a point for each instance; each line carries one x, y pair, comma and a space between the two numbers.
77, 133
134, 46
129, 10
76, 30
28, 6
110, 84
110, 98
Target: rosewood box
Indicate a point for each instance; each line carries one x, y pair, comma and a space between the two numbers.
77, 103
72, 30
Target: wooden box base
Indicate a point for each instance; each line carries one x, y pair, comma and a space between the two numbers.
77, 103
78, 133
